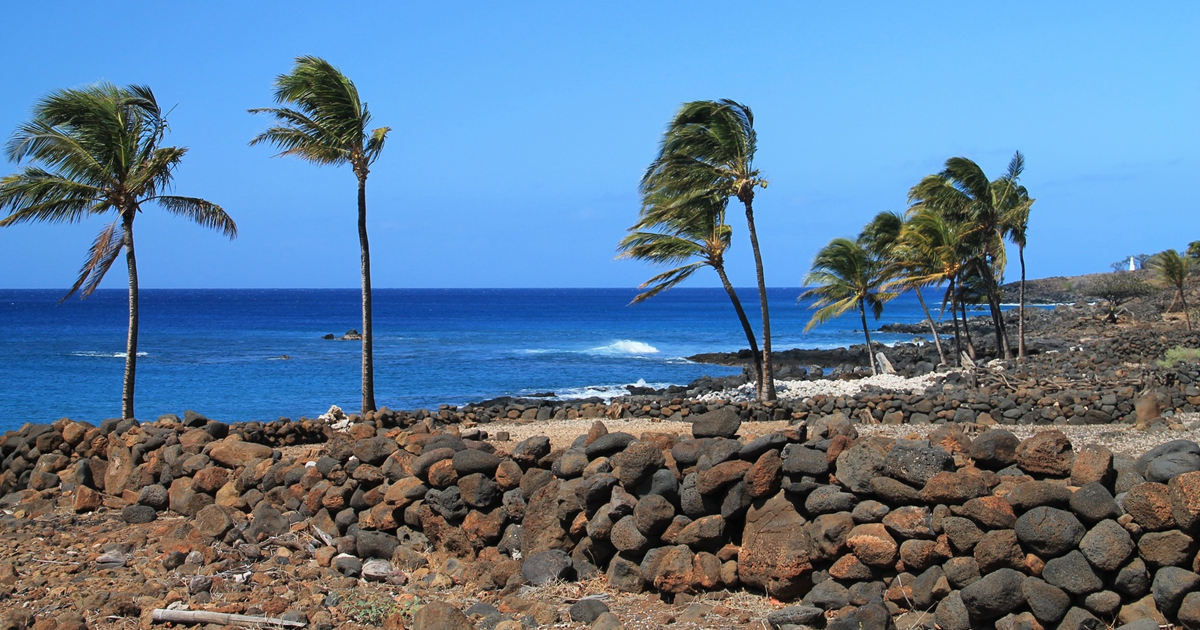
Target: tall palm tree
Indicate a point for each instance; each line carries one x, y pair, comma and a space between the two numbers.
96, 150
1173, 270
845, 275
678, 230
326, 123
709, 148
884, 238
1016, 224
963, 193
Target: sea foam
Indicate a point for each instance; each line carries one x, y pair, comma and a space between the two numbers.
626, 346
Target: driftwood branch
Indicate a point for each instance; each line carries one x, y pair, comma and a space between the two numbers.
204, 616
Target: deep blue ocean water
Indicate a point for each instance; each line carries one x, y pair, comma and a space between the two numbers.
221, 352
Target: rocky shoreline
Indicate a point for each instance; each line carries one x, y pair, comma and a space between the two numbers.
793, 514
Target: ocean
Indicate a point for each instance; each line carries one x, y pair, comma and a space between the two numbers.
237, 355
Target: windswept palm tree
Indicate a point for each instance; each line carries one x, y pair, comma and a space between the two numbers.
678, 230
1173, 270
936, 251
709, 148
1016, 224
884, 238
96, 150
964, 194
324, 121
845, 275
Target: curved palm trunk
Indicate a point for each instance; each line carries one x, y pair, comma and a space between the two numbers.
131, 341
967, 330
958, 351
1021, 307
867, 333
993, 298
1183, 302
741, 313
766, 385
368, 355
932, 327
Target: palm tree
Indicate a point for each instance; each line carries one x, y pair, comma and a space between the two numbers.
963, 193
936, 250
327, 124
678, 230
845, 275
1016, 224
709, 149
1173, 270
97, 150
884, 238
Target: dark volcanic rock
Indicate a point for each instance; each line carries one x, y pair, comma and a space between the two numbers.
1049, 531
544, 566
1073, 574
723, 422
994, 595
1107, 546
914, 462
994, 449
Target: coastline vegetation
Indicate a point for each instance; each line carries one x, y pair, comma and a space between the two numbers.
93, 151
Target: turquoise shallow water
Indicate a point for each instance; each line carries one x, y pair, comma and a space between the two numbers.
221, 352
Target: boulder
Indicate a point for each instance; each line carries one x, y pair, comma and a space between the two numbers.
1049, 531
774, 555
441, 616
723, 422
994, 595
1107, 545
546, 566
232, 453
1073, 574
1046, 453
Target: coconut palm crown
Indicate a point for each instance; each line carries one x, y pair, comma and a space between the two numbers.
709, 148
93, 151
325, 122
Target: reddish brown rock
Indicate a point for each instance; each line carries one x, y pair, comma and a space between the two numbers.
484, 529
442, 474
918, 555
774, 555
721, 475
1184, 494
508, 475
120, 468
233, 453
953, 488
210, 479
999, 549
184, 500
1046, 453
1092, 463
991, 512
1150, 506
86, 500
674, 573
872, 543
850, 568
763, 478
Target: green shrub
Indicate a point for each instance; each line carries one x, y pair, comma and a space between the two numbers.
368, 609
1177, 355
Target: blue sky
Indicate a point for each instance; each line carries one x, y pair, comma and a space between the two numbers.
520, 129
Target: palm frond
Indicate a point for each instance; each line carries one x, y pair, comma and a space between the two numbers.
204, 213
666, 280
101, 254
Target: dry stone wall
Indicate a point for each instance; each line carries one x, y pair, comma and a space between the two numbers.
965, 532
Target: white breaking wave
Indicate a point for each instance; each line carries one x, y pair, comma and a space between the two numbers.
104, 355
607, 392
626, 346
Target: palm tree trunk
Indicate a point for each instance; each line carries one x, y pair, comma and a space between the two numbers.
131, 342
993, 298
741, 313
1183, 302
932, 328
368, 355
867, 333
767, 384
962, 304
954, 318
1021, 307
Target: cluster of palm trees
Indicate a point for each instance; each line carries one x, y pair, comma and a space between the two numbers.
98, 150
953, 235
1172, 269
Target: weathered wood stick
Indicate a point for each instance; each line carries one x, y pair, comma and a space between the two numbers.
204, 616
